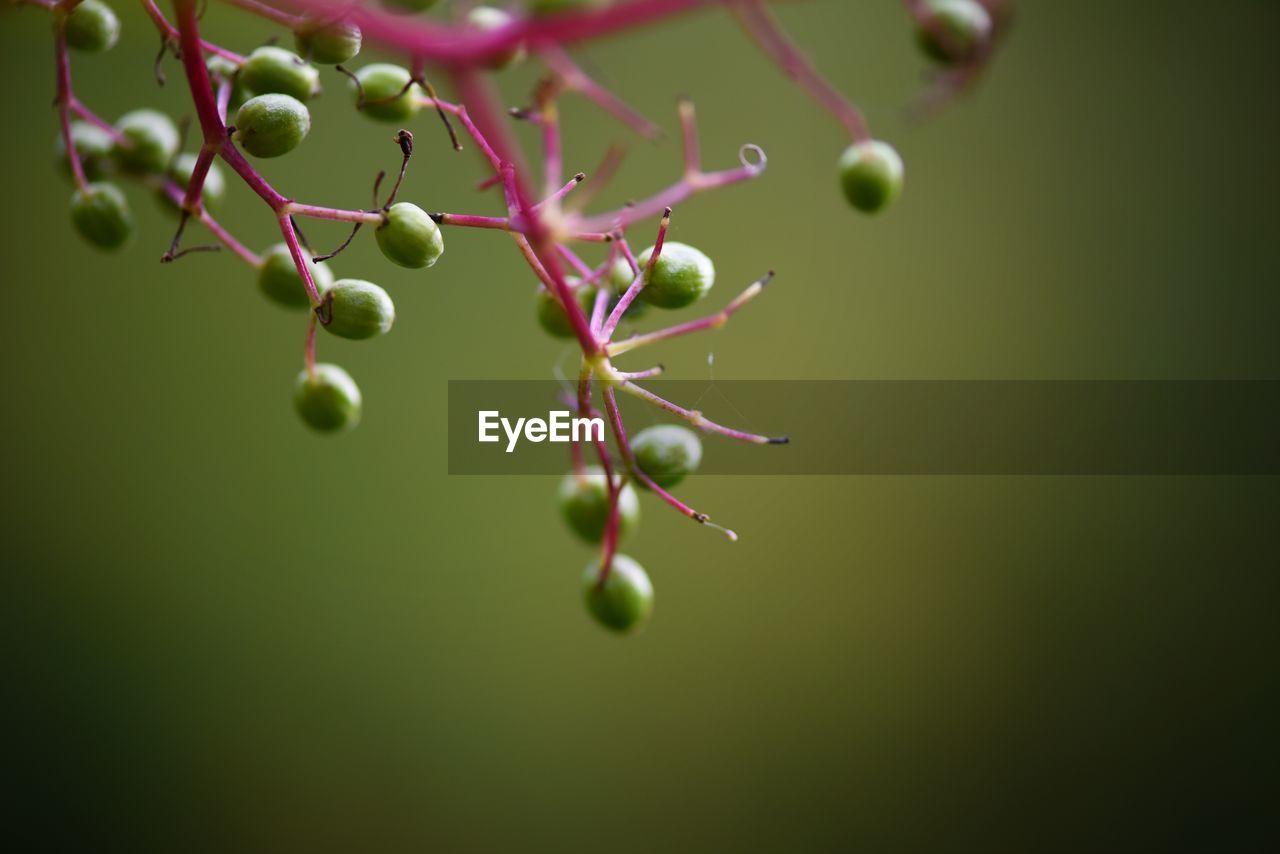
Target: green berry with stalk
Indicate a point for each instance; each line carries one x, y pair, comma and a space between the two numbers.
100, 213
149, 142
625, 601
356, 309
871, 174
383, 94
275, 71
278, 278
328, 400
92, 27
272, 125
584, 503
667, 453
409, 237
682, 276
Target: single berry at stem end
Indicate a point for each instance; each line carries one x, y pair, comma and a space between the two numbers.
92, 27
667, 453
100, 213
328, 400
356, 309
955, 31
871, 175
625, 602
682, 276
409, 237
272, 125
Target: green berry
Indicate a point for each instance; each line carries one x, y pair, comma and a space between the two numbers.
358, 309
276, 71
100, 212
667, 453
584, 501
385, 97
92, 27
409, 237
272, 125
957, 30
620, 277
625, 601
328, 401
871, 175
328, 43
552, 318
279, 281
682, 276
408, 5
487, 19
151, 140
215, 185
92, 143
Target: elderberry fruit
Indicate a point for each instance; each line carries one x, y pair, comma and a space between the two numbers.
272, 125
385, 93
487, 19
328, 42
150, 139
100, 213
92, 27
584, 502
358, 309
871, 175
92, 144
275, 71
667, 453
955, 30
328, 400
278, 278
625, 600
409, 237
682, 276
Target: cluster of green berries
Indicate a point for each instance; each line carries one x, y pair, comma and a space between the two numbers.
666, 454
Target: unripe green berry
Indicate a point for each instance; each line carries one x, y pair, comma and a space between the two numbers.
328, 401
625, 601
358, 309
328, 43
385, 98
275, 71
667, 453
272, 125
100, 212
584, 501
552, 318
408, 6
278, 278
956, 31
151, 140
409, 237
92, 27
682, 276
871, 174
487, 19
92, 143
620, 277
215, 185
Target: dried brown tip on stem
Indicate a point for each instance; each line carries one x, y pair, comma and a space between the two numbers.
580, 177
780, 440
319, 258
444, 117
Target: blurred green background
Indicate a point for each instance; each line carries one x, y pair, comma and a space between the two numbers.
227, 633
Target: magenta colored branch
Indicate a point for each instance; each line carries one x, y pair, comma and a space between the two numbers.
309, 348
638, 284
714, 321
697, 419
262, 10
755, 18
335, 214
299, 258
97, 121
468, 221
63, 100
689, 137
577, 80
191, 200
168, 31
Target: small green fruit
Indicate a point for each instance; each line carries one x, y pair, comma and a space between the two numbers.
620, 278
625, 601
279, 281
486, 19
408, 6
328, 43
584, 501
215, 185
871, 175
272, 125
92, 27
385, 96
957, 30
151, 140
220, 66
276, 71
667, 453
92, 143
328, 401
100, 212
682, 276
358, 309
551, 316
409, 237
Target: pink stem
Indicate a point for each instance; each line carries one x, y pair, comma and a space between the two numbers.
262, 10
714, 321
337, 214
697, 419
640, 281
573, 77
63, 100
299, 258
168, 31
755, 18
191, 200
94, 119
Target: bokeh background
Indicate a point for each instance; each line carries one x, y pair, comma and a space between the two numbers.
227, 633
